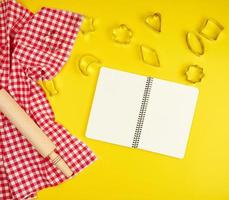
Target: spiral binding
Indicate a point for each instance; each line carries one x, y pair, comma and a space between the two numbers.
142, 113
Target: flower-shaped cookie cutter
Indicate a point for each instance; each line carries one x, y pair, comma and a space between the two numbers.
194, 74
122, 34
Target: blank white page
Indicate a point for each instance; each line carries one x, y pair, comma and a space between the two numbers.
116, 106
168, 118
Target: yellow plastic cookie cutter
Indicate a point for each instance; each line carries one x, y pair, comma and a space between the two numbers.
211, 29
195, 43
194, 74
88, 63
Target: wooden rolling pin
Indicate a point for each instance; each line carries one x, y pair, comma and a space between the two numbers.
27, 127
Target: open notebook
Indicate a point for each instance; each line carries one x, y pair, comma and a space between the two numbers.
142, 112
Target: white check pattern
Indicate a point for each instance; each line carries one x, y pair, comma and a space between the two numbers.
35, 47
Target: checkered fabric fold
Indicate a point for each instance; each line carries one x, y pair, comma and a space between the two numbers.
34, 47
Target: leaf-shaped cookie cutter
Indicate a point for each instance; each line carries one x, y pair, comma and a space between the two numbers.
190, 45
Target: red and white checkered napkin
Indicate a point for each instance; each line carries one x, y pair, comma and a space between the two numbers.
34, 47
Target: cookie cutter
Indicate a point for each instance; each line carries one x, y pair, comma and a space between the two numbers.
122, 34
87, 64
50, 87
154, 21
194, 74
211, 29
189, 40
88, 25
149, 56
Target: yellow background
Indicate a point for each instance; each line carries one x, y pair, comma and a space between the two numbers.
125, 174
